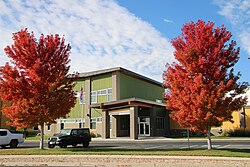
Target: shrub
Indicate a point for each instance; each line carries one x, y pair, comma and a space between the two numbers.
236, 133
27, 132
93, 135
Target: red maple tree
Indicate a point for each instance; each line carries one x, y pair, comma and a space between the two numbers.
37, 82
201, 87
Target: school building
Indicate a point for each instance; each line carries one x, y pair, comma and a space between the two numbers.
117, 102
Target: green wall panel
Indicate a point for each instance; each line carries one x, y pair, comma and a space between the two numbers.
133, 87
77, 111
101, 82
96, 113
102, 98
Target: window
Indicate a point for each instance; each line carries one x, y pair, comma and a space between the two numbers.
110, 122
93, 97
99, 119
102, 92
48, 127
160, 123
3, 133
74, 132
35, 127
93, 123
62, 126
82, 132
109, 94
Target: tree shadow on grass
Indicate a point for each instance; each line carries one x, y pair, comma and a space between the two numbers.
163, 152
236, 150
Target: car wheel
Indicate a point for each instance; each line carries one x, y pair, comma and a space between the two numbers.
85, 143
51, 145
63, 144
3, 146
13, 143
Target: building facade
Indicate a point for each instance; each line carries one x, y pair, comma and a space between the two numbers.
117, 102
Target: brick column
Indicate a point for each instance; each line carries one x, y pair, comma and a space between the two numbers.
134, 122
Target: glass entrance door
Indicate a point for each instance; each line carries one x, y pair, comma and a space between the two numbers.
144, 126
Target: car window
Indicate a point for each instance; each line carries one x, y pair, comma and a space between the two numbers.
83, 131
74, 132
65, 131
3, 133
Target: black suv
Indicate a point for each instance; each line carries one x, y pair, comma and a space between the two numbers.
70, 137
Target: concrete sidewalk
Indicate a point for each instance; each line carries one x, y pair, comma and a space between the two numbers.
121, 161
170, 139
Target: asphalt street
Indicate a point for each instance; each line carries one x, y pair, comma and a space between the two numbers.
156, 144
132, 160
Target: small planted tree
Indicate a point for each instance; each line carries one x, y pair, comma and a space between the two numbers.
201, 87
37, 82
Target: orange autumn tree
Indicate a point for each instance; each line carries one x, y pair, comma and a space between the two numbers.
37, 82
201, 87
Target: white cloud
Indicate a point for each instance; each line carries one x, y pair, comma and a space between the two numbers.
237, 12
102, 33
168, 21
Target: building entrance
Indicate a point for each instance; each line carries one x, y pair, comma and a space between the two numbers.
144, 126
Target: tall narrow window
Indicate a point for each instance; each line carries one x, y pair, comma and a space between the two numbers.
93, 97
93, 123
109, 94
62, 126
160, 123
48, 126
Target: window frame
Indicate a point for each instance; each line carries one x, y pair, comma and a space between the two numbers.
93, 121
91, 97
160, 123
109, 94
48, 127
102, 92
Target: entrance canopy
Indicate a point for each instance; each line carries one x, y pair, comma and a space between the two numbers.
129, 117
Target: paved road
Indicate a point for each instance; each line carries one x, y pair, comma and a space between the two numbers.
131, 160
156, 144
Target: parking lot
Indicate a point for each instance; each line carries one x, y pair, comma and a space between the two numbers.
152, 144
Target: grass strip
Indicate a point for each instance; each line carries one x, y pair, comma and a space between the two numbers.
90, 151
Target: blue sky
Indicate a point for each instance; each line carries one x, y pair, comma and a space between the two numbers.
134, 34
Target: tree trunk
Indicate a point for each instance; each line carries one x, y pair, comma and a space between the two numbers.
42, 136
209, 143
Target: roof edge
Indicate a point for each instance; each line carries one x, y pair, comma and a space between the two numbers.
121, 69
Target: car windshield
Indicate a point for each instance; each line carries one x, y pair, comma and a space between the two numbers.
65, 131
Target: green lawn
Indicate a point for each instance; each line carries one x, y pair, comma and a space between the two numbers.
37, 137
92, 151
